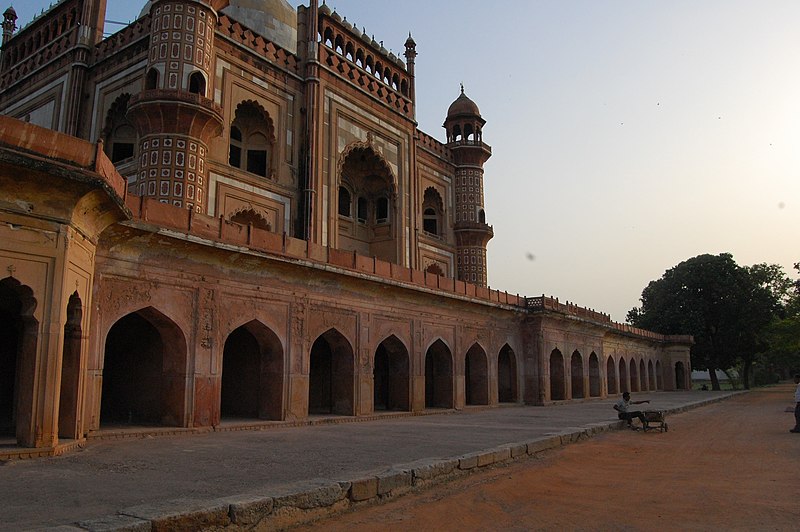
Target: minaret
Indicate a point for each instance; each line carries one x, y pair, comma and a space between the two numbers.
411, 56
464, 127
9, 23
174, 116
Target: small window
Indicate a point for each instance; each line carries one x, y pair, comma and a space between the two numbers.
257, 162
344, 202
382, 210
481, 216
429, 224
197, 84
251, 140
362, 210
151, 80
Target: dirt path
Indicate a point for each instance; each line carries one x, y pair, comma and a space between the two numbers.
731, 465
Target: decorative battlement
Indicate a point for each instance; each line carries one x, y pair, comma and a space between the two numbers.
549, 303
219, 230
431, 144
365, 63
544, 303
231, 29
134, 32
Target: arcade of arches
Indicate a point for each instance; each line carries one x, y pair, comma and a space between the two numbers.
153, 366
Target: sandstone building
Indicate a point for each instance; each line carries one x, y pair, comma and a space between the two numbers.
224, 215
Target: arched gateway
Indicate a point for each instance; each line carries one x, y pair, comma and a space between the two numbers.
144, 371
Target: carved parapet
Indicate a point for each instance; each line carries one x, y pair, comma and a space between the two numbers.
231, 29
431, 144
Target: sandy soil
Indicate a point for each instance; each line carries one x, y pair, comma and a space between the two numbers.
731, 465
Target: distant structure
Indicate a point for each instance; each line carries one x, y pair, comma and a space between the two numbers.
224, 215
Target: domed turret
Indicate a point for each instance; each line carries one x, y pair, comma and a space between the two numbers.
463, 107
464, 122
464, 126
9, 23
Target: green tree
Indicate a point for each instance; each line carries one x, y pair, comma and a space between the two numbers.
725, 307
782, 357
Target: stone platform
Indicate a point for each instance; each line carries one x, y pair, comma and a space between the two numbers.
276, 475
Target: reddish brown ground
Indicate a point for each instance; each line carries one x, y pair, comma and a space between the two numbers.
731, 465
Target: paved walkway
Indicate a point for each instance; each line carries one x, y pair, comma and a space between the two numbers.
109, 476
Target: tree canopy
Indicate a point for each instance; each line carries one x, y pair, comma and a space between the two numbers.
726, 307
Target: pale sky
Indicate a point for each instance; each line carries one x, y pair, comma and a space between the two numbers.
627, 135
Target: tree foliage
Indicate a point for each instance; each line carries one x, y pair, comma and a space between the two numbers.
726, 307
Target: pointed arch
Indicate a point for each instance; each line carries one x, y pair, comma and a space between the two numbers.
576, 373
642, 376
69, 403
331, 380
476, 376
252, 373
507, 388
144, 371
611, 376
252, 139
634, 376
557, 381
595, 379
624, 384
651, 375
119, 135
432, 212
19, 336
438, 376
391, 376
366, 182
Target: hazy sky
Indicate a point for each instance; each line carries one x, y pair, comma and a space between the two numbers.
627, 136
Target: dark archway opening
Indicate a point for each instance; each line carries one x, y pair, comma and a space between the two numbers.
144, 370
476, 376
391, 376
68, 403
623, 376
595, 386
331, 378
438, 376
576, 364
18, 341
557, 384
10, 333
634, 377
611, 376
680, 376
652, 375
643, 385
252, 374
507, 375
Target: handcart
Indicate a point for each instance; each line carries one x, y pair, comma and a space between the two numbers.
656, 420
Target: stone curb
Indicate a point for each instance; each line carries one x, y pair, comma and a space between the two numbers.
313, 499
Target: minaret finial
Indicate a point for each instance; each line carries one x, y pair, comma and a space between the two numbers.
462, 87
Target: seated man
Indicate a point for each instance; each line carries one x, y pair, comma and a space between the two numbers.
622, 405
